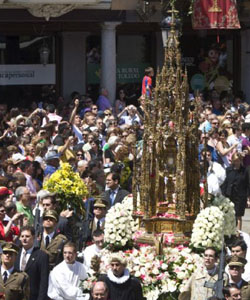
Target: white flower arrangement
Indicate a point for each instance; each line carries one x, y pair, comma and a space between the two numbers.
159, 275
208, 228
227, 207
119, 224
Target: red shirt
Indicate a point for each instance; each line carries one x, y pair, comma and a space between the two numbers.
13, 232
146, 83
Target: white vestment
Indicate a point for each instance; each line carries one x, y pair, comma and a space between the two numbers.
64, 281
215, 177
88, 254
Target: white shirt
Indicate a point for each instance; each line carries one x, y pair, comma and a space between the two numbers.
233, 139
52, 117
78, 133
9, 271
129, 120
64, 281
215, 177
29, 183
50, 237
102, 220
88, 254
28, 253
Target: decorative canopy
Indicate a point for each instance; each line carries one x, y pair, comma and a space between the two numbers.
215, 14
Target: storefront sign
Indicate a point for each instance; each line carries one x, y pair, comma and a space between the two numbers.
188, 61
125, 73
27, 74
129, 73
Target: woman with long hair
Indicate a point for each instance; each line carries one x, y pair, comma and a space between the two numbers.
120, 103
224, 150
95, 152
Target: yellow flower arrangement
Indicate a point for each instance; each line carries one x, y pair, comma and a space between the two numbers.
69, 187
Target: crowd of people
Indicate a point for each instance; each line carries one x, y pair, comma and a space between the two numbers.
224, 150
97, 140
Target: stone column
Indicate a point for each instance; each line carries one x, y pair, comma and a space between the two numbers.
73, 63
245, 62
108, 62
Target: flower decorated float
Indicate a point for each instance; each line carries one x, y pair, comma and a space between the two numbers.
162, 276
153, 227
164, 273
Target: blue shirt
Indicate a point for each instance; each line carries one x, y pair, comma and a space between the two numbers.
49, 170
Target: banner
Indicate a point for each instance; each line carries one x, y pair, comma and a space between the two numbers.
215, 14
27, 74
125, 73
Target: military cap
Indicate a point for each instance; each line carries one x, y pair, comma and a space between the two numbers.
100, 203
237, 261
10, 247
51, 214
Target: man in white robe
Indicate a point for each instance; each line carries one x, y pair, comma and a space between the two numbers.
93, 250
65, 278
216, 174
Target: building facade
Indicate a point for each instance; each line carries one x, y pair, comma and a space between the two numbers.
82, 45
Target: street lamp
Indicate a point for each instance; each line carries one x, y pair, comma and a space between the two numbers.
165, 30
169, 25
44, 52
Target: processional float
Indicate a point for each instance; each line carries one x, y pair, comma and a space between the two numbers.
168, 198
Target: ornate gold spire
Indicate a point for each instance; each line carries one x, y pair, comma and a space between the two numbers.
169, 164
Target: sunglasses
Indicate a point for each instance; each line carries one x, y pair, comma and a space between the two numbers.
234, 267
107, 114
48, 219
79, 154
8, 252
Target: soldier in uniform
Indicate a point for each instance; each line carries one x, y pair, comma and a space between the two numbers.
236, 266
95, 222
199, 286
100, 211
52, 242
14, 285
